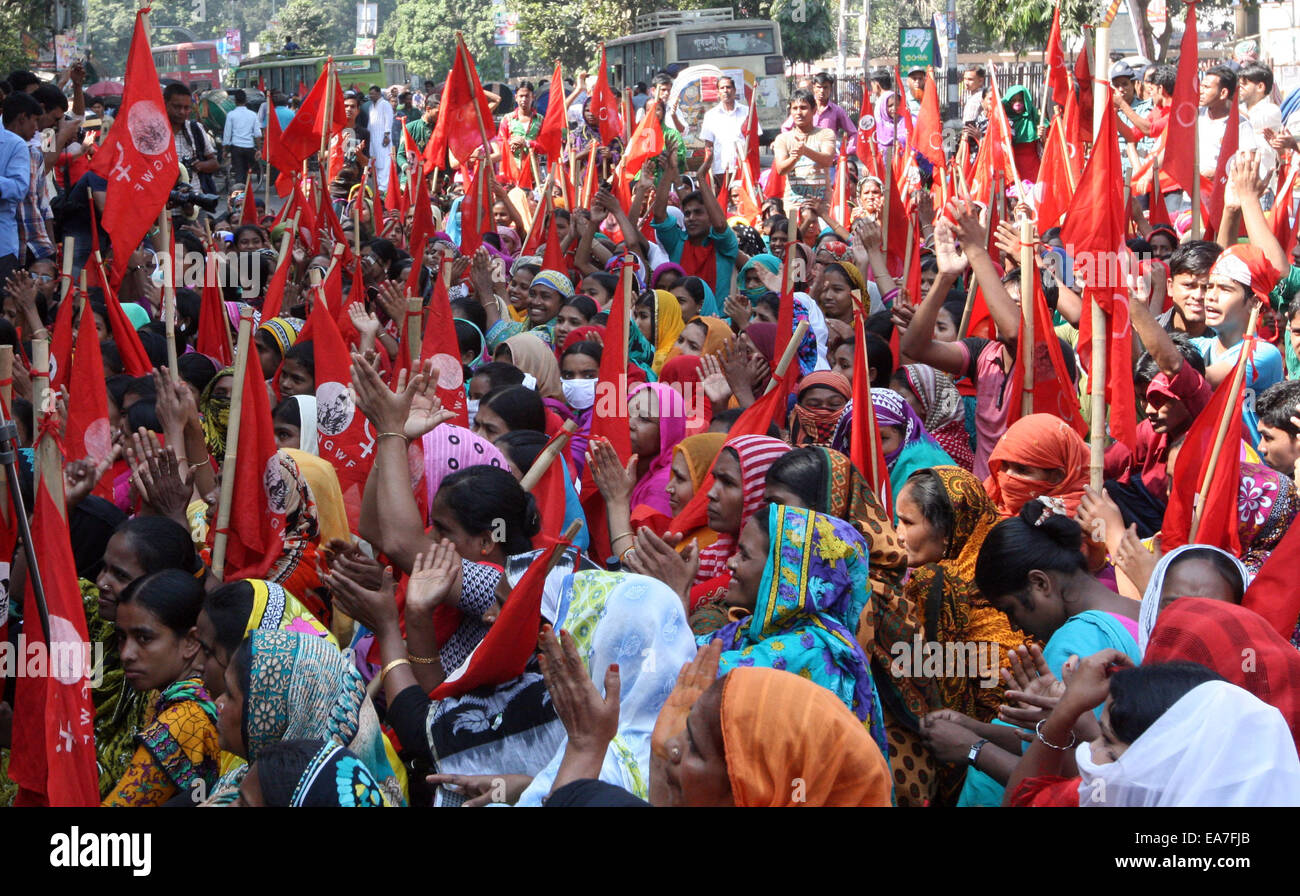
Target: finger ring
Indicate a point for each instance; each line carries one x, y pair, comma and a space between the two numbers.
676, 753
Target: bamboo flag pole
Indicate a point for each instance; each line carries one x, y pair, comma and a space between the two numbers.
986, 219
49, 468
791, 348
546, 204
169, 291
414, 329
6, 403
1100, 323
232, 445
1028, 348
328, 116
1221, 434
478, 111
544, 460
40, 379
907, 254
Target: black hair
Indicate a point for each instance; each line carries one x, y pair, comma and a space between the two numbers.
772, 301
111, 357
470, 311
1031, 540
159, 543
585, 305
280, 766
154, 345
1165, 77
692, 196
1227, 78
500, 374
143, 414
484, 497
1276, 404
188, 304
196, 369
695, 287
662, 78
518, 406
468, 337
1258, 74
171, 595
229, 607
881, 357
590, 349
1194, 257
19, 104
1146, 368
288, 412
117, 386
172, 90
240, 97
303, 353
607, 281
1142, 695
143, 387
523, 446
936, 507
977, 69
20, 79
803, 96
50, 97
724, 420
803, 471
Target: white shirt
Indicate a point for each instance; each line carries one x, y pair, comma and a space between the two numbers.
380, 123
726, 131
242, 128
1210, 133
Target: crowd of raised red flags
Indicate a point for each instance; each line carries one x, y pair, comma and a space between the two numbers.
595, 462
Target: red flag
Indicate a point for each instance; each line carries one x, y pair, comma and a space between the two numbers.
1054, 392
1180, 153
868, 148
302, 90
1058, 78
604, 104
1283, 225
1056, 174
550, 137
88, 432
610, 420
865, 448
134, 359
476, 209
345, 436
213, 338
549, 491
439, 343
303, 135
272, 152
553, 258
53, 754
330, 222
61, 343
504, 651
248, 208
927, 139
421, 231
137, 158
1094, 227
1220, 514
1272, 594
647, 141
256, 535
840, 200
1227, 149
395, 196
459, 127
1083, 77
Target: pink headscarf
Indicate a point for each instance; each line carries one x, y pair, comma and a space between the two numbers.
449, 449
651, 489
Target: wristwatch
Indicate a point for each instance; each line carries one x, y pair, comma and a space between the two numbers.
975, 751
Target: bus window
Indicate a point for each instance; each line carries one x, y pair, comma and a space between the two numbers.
715, 44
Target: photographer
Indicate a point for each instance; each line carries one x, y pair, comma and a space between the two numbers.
194, 147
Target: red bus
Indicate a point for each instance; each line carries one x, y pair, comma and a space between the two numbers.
195, 65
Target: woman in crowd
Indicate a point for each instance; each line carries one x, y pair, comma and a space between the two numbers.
938, 403
904, 440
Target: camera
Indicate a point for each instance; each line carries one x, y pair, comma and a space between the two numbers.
185, 195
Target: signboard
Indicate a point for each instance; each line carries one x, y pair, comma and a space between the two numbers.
915, 48
365, 47
66, 50
234, 41
367, 19
505, 27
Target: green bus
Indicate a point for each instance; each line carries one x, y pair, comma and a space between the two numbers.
290, 73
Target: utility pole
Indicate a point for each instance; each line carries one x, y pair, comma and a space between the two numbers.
954, 78
864, 37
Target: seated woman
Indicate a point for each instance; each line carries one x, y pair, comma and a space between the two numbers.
907, 445
693, 458
537, 360
1192, 570
509, 408
522, 448
289, 685
295, 434
297, 371
703, 336
579, 373
823, 411
273, 338
658, 315
1185, 737
574, 314
798, 586
696, 298
310, 773
547, 293
177, 752
1038, 456
738, 740
936, 400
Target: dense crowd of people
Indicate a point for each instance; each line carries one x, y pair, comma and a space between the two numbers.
602, 465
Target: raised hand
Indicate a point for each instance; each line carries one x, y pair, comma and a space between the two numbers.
375, 608
950, 259
714, 380
614, 479
590, 719
435, 574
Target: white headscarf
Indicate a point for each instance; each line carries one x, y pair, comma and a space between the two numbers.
1219, 745
638, 623
307, 426
1151, 597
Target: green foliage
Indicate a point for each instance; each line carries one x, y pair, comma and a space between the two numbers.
807, 28
423, 33
22, 25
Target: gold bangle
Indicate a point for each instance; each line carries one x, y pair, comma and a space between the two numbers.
390, 666
399, 435
615, 538
423, 660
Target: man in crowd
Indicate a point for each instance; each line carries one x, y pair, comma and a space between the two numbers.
241, 136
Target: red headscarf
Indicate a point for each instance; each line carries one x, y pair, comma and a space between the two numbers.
1039, 440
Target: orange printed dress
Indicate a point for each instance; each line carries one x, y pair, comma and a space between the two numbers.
176, 751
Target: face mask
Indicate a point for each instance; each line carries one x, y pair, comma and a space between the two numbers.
579, 394
471, 406
157, 276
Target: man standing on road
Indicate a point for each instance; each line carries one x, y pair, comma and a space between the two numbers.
380, 125
241, 136
723, 131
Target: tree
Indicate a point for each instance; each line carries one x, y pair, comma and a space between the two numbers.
807, 28
327, 26
423, 33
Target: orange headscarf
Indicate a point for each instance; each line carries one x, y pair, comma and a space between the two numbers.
1039, 440
790, 742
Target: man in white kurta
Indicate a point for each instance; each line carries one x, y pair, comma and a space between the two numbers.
380, 125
